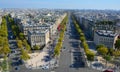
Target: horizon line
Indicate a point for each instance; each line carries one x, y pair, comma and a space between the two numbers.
63, 8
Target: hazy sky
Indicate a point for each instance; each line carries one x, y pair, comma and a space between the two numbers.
69, 4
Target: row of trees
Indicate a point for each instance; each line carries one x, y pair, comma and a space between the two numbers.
15, 28
90, 55
20, 38
61, 37
117, 44
23, 45
4, 45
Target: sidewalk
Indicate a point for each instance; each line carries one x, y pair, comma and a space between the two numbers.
100, 64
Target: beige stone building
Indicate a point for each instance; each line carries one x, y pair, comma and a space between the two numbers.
107, 38
38, 37
25, 27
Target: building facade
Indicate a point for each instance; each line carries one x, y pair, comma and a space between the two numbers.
38, 37
107, 38
118, 28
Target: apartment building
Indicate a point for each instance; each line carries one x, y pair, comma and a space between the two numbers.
107, 38
38, 37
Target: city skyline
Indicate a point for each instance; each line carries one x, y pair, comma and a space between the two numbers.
59, 36
62, 4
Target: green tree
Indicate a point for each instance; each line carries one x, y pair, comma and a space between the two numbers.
61, 37
36, 47
4, 65
117, 44
85, 45
19, 43
99, 46
107, 58
116, 53
82, 34
25, 42
82, 39
56, 51
1, 41
103, 51
28, 47
79, 30
21, 36
24, 55
110, 51
5, 50
90, 55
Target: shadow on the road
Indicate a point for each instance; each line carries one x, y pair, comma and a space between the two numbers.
14, 64
77, 65
78, 61
16, 58
92, 45
74, 44
74, 37
17, 63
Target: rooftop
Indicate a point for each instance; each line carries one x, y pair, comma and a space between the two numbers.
38, 32
106, 33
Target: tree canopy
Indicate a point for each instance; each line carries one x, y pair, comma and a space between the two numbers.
19, 43
117, 44
102, 50
36, 47
4, 46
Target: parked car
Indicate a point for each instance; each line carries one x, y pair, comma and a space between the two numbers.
17, 68
20, 61
108, 70
45, 67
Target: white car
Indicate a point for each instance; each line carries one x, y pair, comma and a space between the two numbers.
45, 67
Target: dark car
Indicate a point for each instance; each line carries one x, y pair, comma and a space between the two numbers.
20, 61
14, 63
47, 58
17, 68
108, 70
75, 58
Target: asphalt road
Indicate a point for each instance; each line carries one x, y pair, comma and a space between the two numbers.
71, 58
14, 55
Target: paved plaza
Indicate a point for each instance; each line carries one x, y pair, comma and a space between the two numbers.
36, 60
